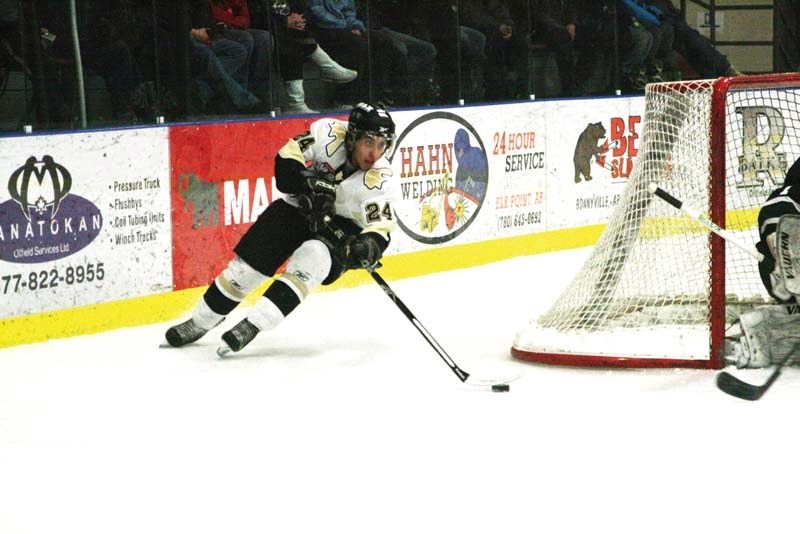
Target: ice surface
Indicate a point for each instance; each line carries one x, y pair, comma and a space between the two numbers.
345, 420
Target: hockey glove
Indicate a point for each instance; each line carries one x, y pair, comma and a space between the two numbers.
317, 199
364, 251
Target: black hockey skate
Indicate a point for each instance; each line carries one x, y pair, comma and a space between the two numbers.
185, 333
238, 337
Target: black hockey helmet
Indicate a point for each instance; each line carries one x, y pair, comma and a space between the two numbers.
366, 119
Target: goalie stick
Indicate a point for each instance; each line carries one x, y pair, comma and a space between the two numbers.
787, 234
705, 221
739, 388
726, 381
743, 390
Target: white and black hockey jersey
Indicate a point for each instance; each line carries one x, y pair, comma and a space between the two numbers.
365, 197
783, 201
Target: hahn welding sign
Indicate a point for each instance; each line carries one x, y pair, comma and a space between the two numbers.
441, 165
84, 219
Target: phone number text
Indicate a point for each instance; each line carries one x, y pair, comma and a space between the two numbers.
49, 278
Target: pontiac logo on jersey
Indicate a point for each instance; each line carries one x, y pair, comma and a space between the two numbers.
43, 221
443, 172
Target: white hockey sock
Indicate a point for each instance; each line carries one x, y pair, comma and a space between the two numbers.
265, 314
205, 317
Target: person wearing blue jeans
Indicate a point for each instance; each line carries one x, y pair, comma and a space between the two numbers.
338, 31
594, 42
506, 48
409, 60
213, 62
234, 17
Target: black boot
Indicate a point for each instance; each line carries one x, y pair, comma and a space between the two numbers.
185, 333
240, 335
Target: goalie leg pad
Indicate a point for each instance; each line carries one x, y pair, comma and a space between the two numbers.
770, 334
786, 249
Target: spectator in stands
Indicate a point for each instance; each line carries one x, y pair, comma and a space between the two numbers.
338, 31
211, 49
296, 45
104, 51
699, 52
110, 56
50, 60
9, 30
337, 20
595, 43
232, 48
408, 70
212, 67
439, 25
661, 63
506, 49
555, 25
234, 17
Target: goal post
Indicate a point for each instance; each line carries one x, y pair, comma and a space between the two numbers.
659, 289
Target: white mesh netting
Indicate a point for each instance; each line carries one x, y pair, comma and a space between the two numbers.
645, 291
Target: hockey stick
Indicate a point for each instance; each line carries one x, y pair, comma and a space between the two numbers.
460, 373
705, 221
744, 390
497, 384
725, 381
752, 392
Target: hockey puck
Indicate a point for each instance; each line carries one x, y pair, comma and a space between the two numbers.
501, 387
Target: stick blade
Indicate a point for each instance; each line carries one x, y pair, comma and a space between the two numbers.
738, 388
488, 381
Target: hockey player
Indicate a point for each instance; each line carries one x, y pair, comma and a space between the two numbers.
770, 333
335, 215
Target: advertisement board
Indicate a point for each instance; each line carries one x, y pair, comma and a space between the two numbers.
465, 175
84, 218
222, 179
592, 149
471, 174
101, 216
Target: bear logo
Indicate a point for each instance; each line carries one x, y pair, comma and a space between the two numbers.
586, 149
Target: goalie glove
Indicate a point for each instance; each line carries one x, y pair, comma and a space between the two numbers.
364, 251
317, 200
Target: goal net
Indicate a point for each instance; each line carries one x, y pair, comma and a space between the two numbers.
659, 290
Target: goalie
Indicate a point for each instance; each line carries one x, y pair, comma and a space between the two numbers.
335, 215
769, 334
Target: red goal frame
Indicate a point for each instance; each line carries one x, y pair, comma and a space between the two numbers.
717, 210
